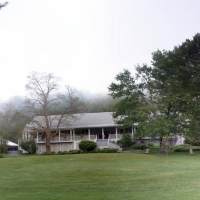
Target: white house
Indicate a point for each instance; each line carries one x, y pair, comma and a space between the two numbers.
97, 127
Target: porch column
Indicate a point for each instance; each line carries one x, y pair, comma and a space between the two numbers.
132, 131
37, 137
116, 133
102, 133
70, 131
73, 134
59, 135
89, 133
73, 138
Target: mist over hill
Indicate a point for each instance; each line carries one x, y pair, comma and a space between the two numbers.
94, 102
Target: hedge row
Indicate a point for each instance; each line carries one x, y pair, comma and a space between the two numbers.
186, 149
97, 150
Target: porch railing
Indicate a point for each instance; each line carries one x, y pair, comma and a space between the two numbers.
84, 137
54, 139
93, 137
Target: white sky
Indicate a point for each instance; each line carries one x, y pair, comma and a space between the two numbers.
87, 42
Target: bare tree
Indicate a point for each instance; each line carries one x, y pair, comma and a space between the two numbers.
2, 5
43, 101
12, 122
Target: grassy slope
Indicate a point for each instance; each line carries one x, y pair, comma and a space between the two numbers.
100, 176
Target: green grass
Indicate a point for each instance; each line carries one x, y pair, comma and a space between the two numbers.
117, 176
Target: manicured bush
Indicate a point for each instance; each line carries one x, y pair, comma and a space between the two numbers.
139, 146
181, 149
108, 150
185, 148
104, 150
87, 145
96, 150
29, 146
62, 152
196, 149
49, 153
74, 151
126, 140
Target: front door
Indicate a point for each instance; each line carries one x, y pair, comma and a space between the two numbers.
99, 136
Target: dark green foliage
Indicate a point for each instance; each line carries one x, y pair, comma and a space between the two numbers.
186, 148
74, 151
173, 83
192, 141
49, 153
87, 145
104, 150
29, 146
139, 146
108, 150
1, 156
126, 140
62, 152
150, 145
132, 106
181, 149
165, 100
3, 146
96, 150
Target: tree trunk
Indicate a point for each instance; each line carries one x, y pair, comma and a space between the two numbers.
48, 143
161, 145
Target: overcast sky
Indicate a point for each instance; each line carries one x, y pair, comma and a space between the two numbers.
87, 42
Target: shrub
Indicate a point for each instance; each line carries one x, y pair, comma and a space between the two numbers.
133, 143
108, 150
74, 152
150, 144
29, 146
62, 152
87, 145
139, 146
185, 148
126, 140
48, 153
192, 141
96, 150
104, 150
181, 149
196, 149
1, 156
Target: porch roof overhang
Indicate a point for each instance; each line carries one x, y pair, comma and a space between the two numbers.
90, 126
82, 120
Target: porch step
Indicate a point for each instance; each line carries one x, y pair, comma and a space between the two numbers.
102, 142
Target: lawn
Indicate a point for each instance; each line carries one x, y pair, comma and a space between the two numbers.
101, 177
